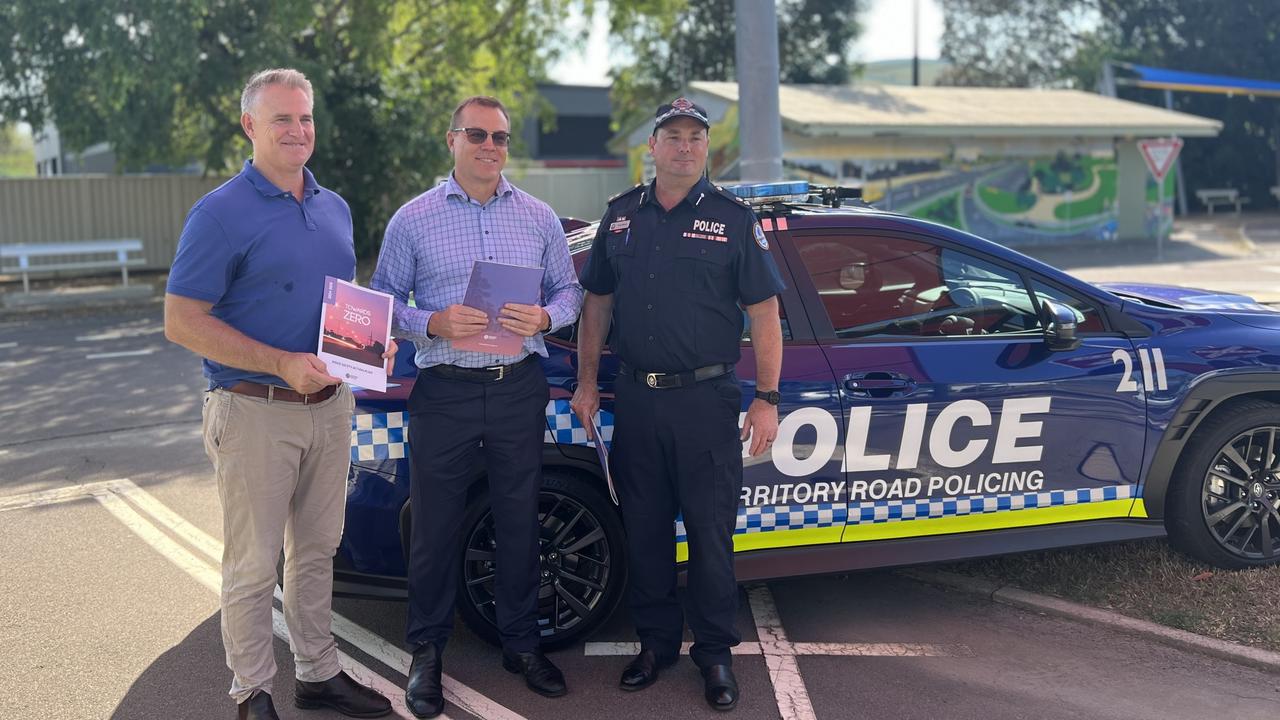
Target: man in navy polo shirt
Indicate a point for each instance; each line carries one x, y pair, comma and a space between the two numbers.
245, 293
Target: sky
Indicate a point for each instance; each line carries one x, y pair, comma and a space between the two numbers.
886, 35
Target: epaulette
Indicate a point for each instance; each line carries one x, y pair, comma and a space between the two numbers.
625, 193
730, 196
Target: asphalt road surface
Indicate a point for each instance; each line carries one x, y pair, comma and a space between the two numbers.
111, 535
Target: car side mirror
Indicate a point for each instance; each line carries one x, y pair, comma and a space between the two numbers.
1059, 326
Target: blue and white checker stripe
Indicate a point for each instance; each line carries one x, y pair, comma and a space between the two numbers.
379, 436
881, 511
385, 436
564, 428
772, 518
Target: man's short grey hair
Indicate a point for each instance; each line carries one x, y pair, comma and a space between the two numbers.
275, 76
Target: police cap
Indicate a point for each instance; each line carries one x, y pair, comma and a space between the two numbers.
680, 107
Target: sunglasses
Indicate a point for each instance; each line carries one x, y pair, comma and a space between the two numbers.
476, 136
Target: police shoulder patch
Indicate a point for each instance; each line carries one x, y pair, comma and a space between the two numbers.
760, 238
625, 193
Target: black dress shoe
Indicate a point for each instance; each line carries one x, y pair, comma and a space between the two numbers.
643, 669
257, 707
720, 687
540, 674
343, 694
423, 694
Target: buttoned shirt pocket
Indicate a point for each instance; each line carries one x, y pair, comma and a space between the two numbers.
702, 267
621, 252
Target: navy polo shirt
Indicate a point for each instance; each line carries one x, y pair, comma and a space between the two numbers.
679, 278
260, 257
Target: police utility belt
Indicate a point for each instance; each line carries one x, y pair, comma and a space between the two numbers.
663, 381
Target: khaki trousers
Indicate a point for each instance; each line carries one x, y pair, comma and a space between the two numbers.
281, 469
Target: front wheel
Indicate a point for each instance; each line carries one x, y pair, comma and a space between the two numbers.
581, 561
1225, 506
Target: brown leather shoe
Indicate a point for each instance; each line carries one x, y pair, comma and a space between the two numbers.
343, 694
258, 706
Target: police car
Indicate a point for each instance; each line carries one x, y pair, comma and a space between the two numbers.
943, 397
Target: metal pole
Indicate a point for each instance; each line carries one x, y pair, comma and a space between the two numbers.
915, 43
1177, 164
759, 121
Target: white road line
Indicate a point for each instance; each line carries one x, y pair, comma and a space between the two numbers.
605, 649
601, 649
212, 580
57, 495
122, 353
779, 655
6, 345
882, 649
120, 334
368, 642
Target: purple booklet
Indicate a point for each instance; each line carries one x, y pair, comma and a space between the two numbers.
493, 285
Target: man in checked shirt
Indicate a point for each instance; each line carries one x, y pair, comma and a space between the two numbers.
463, 400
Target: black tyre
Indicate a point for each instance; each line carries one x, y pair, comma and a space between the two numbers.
1224, 506
582, 559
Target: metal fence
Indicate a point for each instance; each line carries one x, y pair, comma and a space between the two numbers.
153, 207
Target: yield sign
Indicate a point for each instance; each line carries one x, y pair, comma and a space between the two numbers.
1160, 154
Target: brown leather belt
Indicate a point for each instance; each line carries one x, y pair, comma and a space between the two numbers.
272, 393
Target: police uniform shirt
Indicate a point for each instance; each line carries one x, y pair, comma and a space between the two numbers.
677, 277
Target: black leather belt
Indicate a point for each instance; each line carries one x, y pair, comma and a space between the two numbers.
674, 379
484, 374
274, 393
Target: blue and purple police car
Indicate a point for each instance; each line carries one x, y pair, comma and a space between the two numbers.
943, 397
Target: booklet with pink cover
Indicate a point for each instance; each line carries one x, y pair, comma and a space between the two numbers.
355, 329
493, 285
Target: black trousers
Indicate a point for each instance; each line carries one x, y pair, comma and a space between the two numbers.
677, 450
449, 420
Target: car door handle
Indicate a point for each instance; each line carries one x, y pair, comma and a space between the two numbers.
878, 384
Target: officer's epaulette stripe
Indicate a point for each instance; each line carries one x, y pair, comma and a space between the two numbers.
626, 192
726, 194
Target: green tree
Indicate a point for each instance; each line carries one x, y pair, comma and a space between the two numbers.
17, 154
668, 43
1065, 42
160, 80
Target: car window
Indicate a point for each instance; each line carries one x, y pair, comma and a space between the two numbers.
887, 286
1088, 319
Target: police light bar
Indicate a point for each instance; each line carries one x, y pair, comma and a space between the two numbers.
755, 191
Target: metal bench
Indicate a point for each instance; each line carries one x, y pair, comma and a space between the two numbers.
1275, 190
1211, 197
118, 250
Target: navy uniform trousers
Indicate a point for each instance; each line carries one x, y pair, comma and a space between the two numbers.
449, 418
676, 450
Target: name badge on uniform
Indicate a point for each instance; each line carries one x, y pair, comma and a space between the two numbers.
619, 225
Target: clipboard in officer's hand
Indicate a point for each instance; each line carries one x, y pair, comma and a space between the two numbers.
603, 454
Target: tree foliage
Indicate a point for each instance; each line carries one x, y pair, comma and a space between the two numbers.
669, 43
1065, 42
160, 80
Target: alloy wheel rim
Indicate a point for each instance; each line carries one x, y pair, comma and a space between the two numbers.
575, 564
1240, 496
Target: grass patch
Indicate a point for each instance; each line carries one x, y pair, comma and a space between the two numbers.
1098, 202
943, 210
1148, 580
1005, 202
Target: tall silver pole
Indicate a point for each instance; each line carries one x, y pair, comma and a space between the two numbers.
759, 121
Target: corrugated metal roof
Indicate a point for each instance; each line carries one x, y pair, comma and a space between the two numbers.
906, 111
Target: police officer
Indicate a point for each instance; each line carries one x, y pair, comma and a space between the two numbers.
672, 266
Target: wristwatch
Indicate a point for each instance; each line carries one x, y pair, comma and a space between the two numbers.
772, 396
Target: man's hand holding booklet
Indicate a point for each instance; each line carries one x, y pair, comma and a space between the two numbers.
492, 286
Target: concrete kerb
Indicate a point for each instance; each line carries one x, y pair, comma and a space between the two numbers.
1017, 597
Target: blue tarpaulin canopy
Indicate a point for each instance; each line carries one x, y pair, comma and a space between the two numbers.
1164, 79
